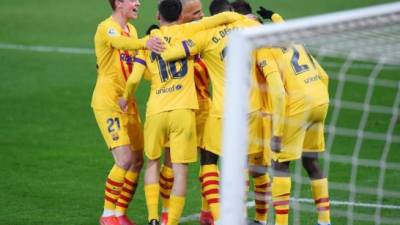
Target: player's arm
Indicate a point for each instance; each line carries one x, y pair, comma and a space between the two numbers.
186, 48
270, 69
278, 100
213, 21
133, 81
113, 39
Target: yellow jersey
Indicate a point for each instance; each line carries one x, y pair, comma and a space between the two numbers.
211, 45
172, 83
201, 79
115, 50
304, 79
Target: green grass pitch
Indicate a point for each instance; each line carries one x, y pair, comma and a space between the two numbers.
53, 160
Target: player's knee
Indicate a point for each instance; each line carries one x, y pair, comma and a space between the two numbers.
257, 170
137, 164
207, 157
311, 165
280, 168
124, 162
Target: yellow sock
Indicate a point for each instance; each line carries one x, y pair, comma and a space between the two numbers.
151, 192
177, 203
210, 188
320, 192
114, 183
166, 182
280, 197
204, 203
262, 190
127, 192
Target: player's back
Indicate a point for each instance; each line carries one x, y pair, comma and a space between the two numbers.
113, 66
302, 80
172, 83
214, 56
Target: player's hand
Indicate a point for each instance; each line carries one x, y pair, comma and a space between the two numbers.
123, 104
252, 17
155, 44
276, 144
265, 13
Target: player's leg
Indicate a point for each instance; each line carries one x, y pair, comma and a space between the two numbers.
209, 179
166, 182
113, 126
262, 191
154, 137
178, 194
258, 165
152, 189
314, 144
281, 187
209, 164
132, 175
292, 141
182, 136
201, 118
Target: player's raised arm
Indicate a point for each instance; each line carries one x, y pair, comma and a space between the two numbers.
214, 21
269, 14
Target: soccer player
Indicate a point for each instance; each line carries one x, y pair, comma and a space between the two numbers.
306, 87
170, 108
272, 90
302, 123
116, 43
211, 45
192, 10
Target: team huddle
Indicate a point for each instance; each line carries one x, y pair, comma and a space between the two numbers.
183, 58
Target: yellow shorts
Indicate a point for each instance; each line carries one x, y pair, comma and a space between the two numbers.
264, 157
119, 129
213, 134
177, 126
303, 132
201, 118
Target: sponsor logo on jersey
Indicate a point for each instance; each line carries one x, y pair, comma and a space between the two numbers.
166, 90
312, 79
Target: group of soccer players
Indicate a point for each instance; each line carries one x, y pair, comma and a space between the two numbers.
288, 105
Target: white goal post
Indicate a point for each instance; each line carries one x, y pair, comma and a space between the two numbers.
338, 34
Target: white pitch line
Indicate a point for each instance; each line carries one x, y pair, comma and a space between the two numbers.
86, 51
38, 48
250, 204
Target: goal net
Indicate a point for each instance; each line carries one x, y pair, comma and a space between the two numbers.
360, 51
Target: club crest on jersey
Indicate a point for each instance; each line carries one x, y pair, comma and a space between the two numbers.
262, 64
112, 32
115, 136
126, 58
